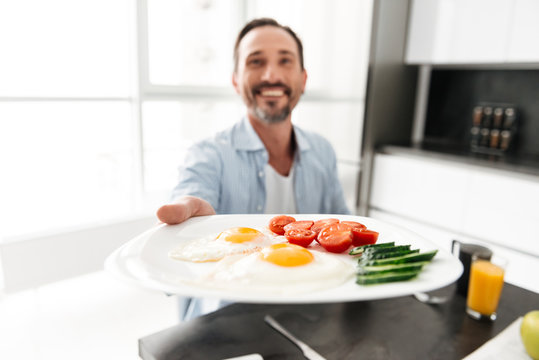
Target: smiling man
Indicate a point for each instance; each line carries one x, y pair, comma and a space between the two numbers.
269, 72
263, 164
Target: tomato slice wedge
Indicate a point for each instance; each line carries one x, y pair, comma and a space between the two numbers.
357, 228
301, 237
277, 223
336, 238
355, 225
302, 224
365, 237
320, 224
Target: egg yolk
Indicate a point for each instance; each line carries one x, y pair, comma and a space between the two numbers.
239, 235
287, 255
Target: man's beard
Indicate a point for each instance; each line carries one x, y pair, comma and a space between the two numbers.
272, 114
274, 117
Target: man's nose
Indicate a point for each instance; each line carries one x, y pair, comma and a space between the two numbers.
271, 74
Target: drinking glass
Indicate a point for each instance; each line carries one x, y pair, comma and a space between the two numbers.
485, 286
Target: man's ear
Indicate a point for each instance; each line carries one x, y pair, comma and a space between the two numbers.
235, 82
304, 80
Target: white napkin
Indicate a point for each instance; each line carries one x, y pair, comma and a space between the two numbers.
506, 345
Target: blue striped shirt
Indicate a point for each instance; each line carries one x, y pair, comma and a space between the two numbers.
227, 170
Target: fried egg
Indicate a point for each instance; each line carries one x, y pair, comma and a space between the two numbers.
238, 240
279, 269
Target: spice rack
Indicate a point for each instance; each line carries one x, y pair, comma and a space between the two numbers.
494, 128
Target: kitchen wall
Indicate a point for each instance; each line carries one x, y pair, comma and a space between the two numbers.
454, 93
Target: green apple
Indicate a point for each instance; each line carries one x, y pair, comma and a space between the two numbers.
529, 331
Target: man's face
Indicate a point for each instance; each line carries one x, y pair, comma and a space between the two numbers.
269, 77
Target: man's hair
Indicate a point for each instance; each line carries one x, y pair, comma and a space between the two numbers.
253, 24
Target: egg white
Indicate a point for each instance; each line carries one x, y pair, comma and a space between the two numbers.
252, 274
213, 248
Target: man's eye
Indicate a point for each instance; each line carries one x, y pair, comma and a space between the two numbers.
254, 62
285, 61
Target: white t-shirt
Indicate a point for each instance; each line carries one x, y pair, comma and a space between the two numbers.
279, 192
279, 200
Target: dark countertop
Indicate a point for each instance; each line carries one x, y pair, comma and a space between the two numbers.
514, 165
396, 328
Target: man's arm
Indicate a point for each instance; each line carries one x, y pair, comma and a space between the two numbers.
183, 209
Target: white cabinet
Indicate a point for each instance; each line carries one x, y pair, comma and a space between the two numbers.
472, 31
444, 200
524, 45
503, 209
427, 191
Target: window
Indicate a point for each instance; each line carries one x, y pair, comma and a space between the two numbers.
53, 48
99, 99
64, 163
190, 41
183, 102
169, 127
67, 152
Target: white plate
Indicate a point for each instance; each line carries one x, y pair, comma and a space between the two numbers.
145, 261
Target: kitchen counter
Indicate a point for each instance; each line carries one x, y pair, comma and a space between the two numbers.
512, 165
396, 328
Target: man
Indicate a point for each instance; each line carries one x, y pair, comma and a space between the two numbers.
263, 164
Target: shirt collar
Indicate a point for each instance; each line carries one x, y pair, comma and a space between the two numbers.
246, 138
301, 140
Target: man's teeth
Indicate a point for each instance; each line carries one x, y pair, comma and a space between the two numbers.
272, 93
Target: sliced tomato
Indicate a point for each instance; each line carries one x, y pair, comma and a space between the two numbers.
320, 224
336, 238
365, 237
357, 228
277, 223
354, 224
301, 237
302, 224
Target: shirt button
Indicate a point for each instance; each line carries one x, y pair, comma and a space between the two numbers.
259, 207
260, 173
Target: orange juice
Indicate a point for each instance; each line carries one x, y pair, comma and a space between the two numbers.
486, 282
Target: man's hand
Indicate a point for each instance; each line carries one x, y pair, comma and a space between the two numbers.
184, 208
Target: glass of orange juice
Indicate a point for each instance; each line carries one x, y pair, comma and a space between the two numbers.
485, 286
